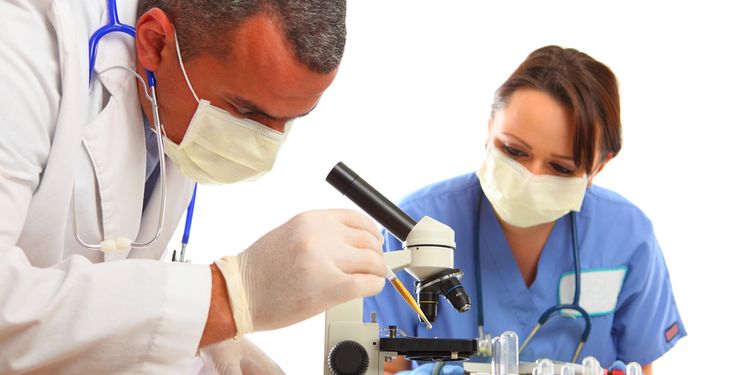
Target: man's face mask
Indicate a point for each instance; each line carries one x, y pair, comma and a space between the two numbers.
219, 148
523, 199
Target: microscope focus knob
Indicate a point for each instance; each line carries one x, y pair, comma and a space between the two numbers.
348, 358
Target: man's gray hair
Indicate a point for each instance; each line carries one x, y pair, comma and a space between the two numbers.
316, 29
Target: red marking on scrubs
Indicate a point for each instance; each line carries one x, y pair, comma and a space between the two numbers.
672, 331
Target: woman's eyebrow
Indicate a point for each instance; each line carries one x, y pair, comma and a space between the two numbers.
521, 141
562, 157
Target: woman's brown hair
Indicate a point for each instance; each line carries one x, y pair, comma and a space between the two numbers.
585, 86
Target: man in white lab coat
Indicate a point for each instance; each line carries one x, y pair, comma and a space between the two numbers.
70, 148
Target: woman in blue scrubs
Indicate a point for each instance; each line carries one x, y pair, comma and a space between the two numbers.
555, 124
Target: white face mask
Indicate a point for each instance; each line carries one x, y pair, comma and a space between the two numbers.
219, 148
523, 199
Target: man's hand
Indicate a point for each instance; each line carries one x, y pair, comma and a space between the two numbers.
314, 261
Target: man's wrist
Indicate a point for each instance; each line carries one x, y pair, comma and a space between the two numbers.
220, 323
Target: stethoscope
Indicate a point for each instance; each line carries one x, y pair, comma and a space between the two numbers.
483, 338
123, 243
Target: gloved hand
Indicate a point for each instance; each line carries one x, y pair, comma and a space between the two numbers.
314, 261
429, 369
237, 357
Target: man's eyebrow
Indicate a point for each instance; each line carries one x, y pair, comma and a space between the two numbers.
248, 106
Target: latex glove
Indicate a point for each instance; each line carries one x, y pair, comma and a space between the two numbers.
237, 357
427, 369
314, 261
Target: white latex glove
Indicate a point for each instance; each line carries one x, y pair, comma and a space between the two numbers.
237, 357
314, 261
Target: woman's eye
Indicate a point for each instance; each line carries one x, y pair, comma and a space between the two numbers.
513, 151
560, 169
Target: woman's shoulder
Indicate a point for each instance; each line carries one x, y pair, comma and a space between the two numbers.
607, 206
451, 191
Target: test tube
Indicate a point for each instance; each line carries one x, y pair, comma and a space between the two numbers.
633, 368
567, 369
505, 354
546, 367
591, 366
497, 357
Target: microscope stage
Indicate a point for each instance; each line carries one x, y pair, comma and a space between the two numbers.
426, 349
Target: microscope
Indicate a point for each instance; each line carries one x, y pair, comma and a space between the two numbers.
353, 347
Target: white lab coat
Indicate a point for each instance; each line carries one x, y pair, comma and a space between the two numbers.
63, 308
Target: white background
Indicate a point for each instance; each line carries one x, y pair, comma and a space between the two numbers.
410, 107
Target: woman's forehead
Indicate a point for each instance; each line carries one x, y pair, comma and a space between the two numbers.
537, 118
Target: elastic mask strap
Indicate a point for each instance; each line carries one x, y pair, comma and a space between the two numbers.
182, 67
137, 76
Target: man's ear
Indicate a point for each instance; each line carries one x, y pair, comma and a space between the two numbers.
153, 32
600, 167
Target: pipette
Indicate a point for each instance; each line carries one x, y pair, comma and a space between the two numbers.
407, 296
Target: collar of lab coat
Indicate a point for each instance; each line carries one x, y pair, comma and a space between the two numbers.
116, 49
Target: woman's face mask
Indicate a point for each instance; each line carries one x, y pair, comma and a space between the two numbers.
528, 173
523, 199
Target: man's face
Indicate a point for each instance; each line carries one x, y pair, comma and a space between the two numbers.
259, 78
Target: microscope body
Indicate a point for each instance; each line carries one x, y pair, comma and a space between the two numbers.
428, 251
353, 347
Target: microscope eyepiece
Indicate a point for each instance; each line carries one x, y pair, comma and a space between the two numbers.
371, 201
446, 283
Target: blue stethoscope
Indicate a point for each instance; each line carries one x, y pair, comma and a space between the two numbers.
576, 305
114, 25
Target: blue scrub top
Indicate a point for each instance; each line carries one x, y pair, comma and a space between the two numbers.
612, 234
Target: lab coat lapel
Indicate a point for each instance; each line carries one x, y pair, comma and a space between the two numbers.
116, 145
179, 190
114, 139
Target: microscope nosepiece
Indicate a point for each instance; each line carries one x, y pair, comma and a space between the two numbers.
457, 296
446, 283
459, 300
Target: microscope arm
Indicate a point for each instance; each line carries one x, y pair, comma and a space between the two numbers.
397, 260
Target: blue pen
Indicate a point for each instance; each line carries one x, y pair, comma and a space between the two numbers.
188, 223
